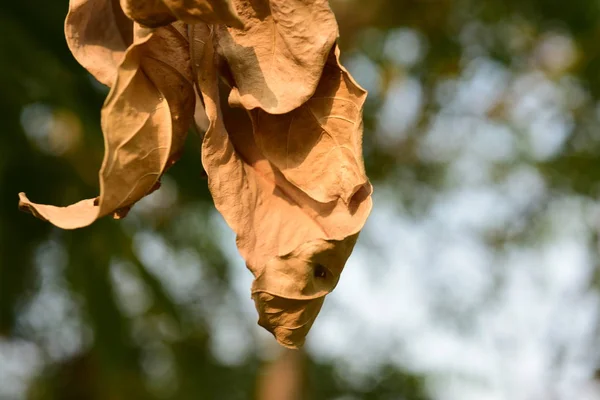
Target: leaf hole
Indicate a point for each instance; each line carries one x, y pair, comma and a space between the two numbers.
320, 271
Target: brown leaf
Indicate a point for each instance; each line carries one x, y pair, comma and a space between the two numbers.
151, 13
98, 34
144, 120
295, 246
278, 58
155, 13
210, 11
318, 146
289, 291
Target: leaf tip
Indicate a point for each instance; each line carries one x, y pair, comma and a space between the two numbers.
24, 202
26, 205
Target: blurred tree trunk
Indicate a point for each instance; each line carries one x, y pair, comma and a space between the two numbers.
282, 378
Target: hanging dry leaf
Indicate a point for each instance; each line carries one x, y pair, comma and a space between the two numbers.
144, 120
98, 34
278, 58
155, 13
290, 289
287, 175
295, 246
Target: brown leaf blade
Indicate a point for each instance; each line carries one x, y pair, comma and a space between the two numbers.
98, 34
209, 11
290, 290
318, 146
287, 319
156, 13
144, 121
150, 13
278, 58
295, 246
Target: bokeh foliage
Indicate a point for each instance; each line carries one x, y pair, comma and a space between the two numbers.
59, 290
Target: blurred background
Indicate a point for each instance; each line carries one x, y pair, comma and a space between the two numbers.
476, 277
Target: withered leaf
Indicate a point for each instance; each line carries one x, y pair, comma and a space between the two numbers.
295, 246
98, 34
144, 120
155, 13
278, 58
211, 11
289, 291
318, 146
150, 13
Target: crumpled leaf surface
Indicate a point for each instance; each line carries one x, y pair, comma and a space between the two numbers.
98, 34
144, 120
155, 13
295, 246
285, 167
290, 290
318, 146
278, 58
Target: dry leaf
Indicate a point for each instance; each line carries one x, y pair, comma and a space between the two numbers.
98, 34
289, 291
287, 175
151, 13
318, 146
278, 58
155, 13
211, 11
295, 246
144, 120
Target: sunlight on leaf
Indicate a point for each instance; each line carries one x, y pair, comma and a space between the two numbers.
318, 146
157, 13
295, 246
98, 34
278, 58
284, 166
144, 120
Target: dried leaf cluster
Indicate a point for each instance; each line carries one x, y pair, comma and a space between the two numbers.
286, 174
